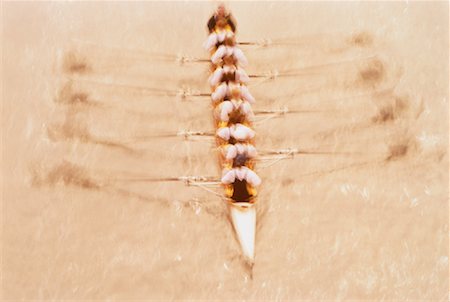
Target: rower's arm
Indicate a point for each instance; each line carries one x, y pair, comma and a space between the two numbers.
212, 23
252, 178
251, 151
228, 177
217, 56
231, 152
232, 22
210, 42
216, 76
251, 133
225, 109
245, 93
219, 93
242, 76
223, 133
242, 132
247, 108
240, 57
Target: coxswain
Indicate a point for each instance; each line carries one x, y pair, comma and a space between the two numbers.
221, 12
217, 37
240, 181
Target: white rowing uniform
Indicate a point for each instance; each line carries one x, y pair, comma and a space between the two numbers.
234, 51
237, 131
241, 110
225, 89
228, 73
231, 151
241, 173
216, 37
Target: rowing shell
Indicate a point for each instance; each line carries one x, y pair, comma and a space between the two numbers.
242, 211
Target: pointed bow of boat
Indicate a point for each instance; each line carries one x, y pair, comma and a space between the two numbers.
243, 216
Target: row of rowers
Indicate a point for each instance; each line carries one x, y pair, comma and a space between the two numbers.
233, 112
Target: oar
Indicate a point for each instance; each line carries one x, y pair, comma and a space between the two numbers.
286, 110
186, 134
188, 180
293, 151
264, 42
160, 56
274, 113
307, 70
183, 92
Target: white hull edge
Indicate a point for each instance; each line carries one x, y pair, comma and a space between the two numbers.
243, 216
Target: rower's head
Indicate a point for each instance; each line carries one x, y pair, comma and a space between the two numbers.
236, 93
229, 60
221, 10
230, 40
235, 90
239, 160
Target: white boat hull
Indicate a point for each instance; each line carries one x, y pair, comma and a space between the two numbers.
243, 216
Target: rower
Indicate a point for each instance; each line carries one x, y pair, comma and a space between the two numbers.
234, 111
239, 132
238, 148
225, 89
221, 13
229, 48
228, 73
